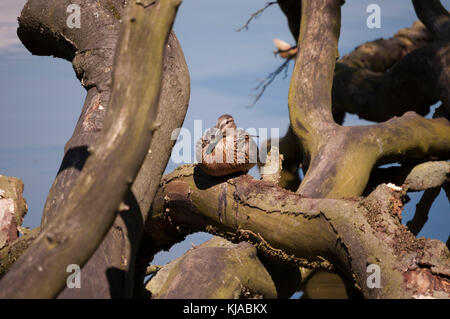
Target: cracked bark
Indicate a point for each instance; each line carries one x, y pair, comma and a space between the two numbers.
340, 234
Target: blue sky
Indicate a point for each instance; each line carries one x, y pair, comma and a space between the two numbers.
41, 98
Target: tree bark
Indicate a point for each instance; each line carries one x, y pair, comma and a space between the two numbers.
13, 208
325, 225
123, 142
339, 161
92, 55
217, 269
338, 165
344, 235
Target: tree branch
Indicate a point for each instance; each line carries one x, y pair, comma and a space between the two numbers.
428, 175
433, 15
359, 80
293, 11
256, 15
362, 85
411, 177
312, 78
315, 233
380, 90
416, 224
217, 269
100, 181
93, 62
338, 165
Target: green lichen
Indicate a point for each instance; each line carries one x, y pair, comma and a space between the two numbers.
108, 5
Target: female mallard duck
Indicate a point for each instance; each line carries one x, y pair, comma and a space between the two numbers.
225, 149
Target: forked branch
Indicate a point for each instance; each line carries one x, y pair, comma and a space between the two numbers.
314, 233
92, 204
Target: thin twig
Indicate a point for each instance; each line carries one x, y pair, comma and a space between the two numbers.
263, 84
255, 15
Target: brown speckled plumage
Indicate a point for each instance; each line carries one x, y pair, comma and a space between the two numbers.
225, 149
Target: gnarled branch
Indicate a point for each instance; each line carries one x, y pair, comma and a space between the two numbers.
341, 234
92, 55
433, 15
124, 139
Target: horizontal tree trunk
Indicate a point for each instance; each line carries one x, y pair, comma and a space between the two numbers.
345, 235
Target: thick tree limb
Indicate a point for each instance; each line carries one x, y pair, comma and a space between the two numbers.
428, 175
292, 9
434, 16
312, 78
338, 164
217, 269
342, 166
316, 233
411, 84
100, 181
411, 177
92, 55
362, 85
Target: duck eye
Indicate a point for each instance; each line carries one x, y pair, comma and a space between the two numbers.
228, 121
